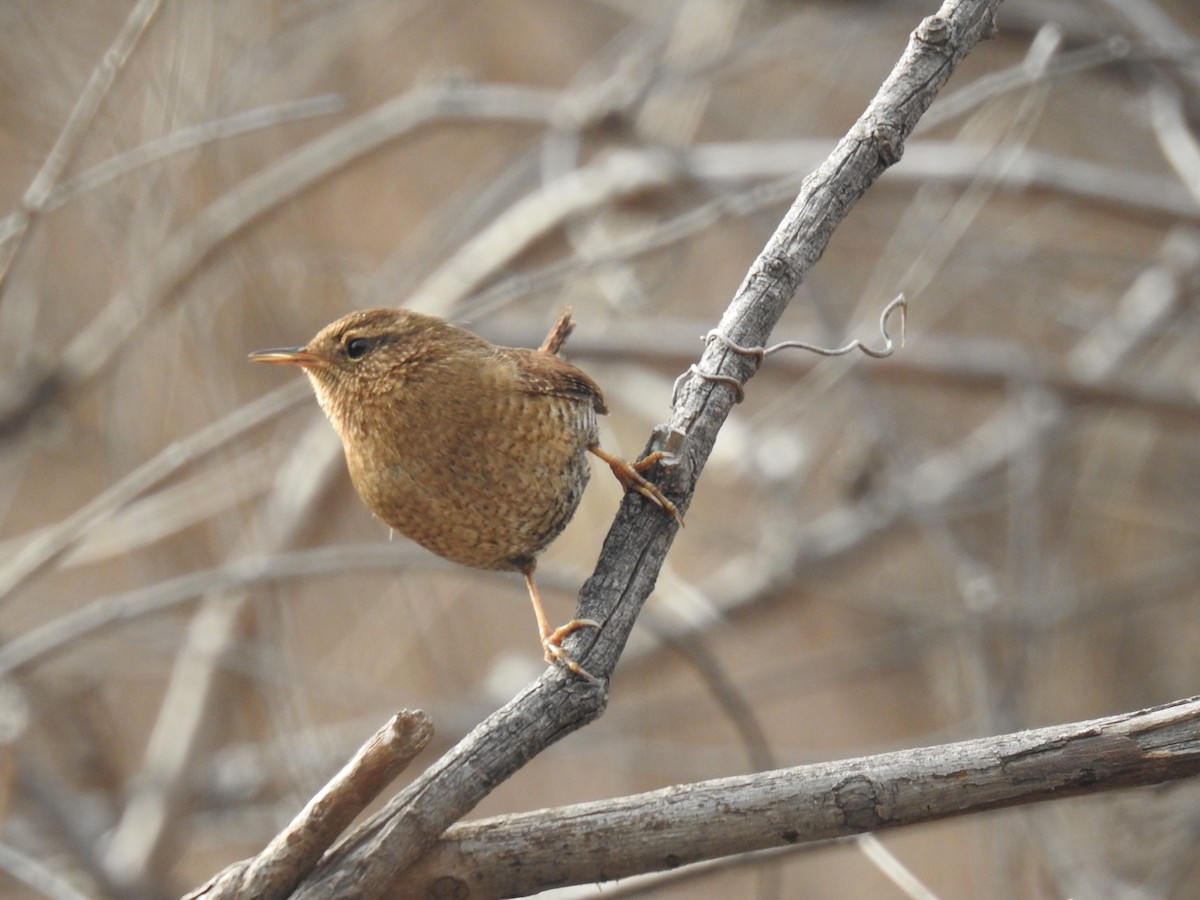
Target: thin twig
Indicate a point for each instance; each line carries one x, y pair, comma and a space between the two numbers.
37, 875
613, 176
294, 851
67, 144
59, 634
190, 138
46, 546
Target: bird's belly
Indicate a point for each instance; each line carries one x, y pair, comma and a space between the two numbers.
488, 502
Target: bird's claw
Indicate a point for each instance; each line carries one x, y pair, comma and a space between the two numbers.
631, 478
651, 492
555, 654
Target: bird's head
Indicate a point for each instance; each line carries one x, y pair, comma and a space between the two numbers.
362, 356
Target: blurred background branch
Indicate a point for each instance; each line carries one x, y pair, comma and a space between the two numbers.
993, 530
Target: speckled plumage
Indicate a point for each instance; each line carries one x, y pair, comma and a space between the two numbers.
476, 452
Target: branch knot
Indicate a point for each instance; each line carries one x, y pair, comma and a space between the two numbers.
857, 799
889, 143
933, 30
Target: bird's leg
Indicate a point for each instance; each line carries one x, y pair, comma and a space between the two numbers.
552, 638
630, 476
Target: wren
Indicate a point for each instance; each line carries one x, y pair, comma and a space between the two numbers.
476, 452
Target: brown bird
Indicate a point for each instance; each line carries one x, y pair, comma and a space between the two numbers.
474, 451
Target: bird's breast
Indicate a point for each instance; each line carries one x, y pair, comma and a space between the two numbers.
484, 485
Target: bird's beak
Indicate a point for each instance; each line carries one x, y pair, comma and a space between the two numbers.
289, 356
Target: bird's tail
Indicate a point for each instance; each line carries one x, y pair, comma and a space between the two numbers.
558, 334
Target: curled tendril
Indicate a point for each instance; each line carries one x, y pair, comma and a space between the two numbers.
900, 305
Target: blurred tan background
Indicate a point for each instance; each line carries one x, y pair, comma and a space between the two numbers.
994, 529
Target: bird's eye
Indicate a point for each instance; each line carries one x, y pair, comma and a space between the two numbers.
356, 348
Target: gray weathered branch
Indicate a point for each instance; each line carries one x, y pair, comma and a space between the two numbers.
517, 855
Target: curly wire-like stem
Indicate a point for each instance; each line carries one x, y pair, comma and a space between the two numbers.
899, 304
758, 354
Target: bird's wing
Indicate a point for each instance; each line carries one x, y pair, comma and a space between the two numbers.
539, 372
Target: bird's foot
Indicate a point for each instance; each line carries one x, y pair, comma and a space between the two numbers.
555, 654
631, 478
